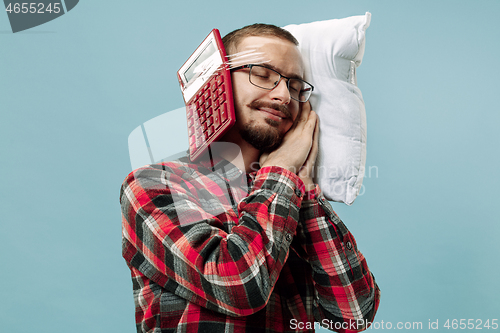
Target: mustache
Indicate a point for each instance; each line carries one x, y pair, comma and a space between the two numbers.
276, 106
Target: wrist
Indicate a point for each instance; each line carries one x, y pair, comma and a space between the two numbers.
280, 164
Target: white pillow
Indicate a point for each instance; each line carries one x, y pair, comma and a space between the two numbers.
332, 50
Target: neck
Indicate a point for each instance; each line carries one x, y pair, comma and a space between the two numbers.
242, 154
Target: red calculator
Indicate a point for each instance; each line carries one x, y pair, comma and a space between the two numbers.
205, 82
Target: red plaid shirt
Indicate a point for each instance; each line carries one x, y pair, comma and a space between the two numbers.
212, 249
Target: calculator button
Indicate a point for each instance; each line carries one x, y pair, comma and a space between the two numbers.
207, 95
204, 127
202, 139
192, 141
216, 103
203, 118
208, 103
222, 99
191, 131
216, 119
220, 80
201, 110
210, 131
221, 90
214, 85
209, 111
202, 99
223, 113
210, 121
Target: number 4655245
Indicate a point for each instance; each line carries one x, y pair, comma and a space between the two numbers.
471, 324
33, 7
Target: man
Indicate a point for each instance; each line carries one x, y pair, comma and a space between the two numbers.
219, 245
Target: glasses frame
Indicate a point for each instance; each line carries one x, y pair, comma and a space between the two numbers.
249, 66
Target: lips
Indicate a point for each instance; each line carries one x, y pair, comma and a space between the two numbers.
273, 113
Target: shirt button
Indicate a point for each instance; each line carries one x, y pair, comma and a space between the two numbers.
348, 245
288, 237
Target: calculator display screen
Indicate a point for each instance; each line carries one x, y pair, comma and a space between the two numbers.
198, 66
204, 62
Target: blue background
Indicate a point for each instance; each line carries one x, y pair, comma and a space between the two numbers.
73, 89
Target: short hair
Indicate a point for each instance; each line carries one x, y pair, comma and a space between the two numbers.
232, 39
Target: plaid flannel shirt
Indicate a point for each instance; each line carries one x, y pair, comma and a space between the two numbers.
213, 249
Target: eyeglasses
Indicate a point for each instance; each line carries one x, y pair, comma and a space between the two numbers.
267, 78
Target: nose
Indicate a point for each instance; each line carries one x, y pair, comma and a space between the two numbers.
280, 92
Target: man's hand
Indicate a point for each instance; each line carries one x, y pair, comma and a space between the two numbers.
306, 173
299, 148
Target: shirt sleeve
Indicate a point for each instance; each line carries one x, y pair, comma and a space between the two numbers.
346, 292
173, 241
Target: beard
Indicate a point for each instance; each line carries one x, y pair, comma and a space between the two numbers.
264, 138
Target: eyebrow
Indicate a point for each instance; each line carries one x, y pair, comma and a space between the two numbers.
292, 76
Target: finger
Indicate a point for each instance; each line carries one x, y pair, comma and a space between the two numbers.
310, 123
306, 107
316, 136
306, 110
304, 124
302, 116
313, 153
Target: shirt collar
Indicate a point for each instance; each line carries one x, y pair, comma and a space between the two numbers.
222, 167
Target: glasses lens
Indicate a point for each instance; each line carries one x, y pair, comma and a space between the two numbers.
263, 77
305, 91
299, 90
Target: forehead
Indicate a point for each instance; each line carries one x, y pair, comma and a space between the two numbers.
281, 54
